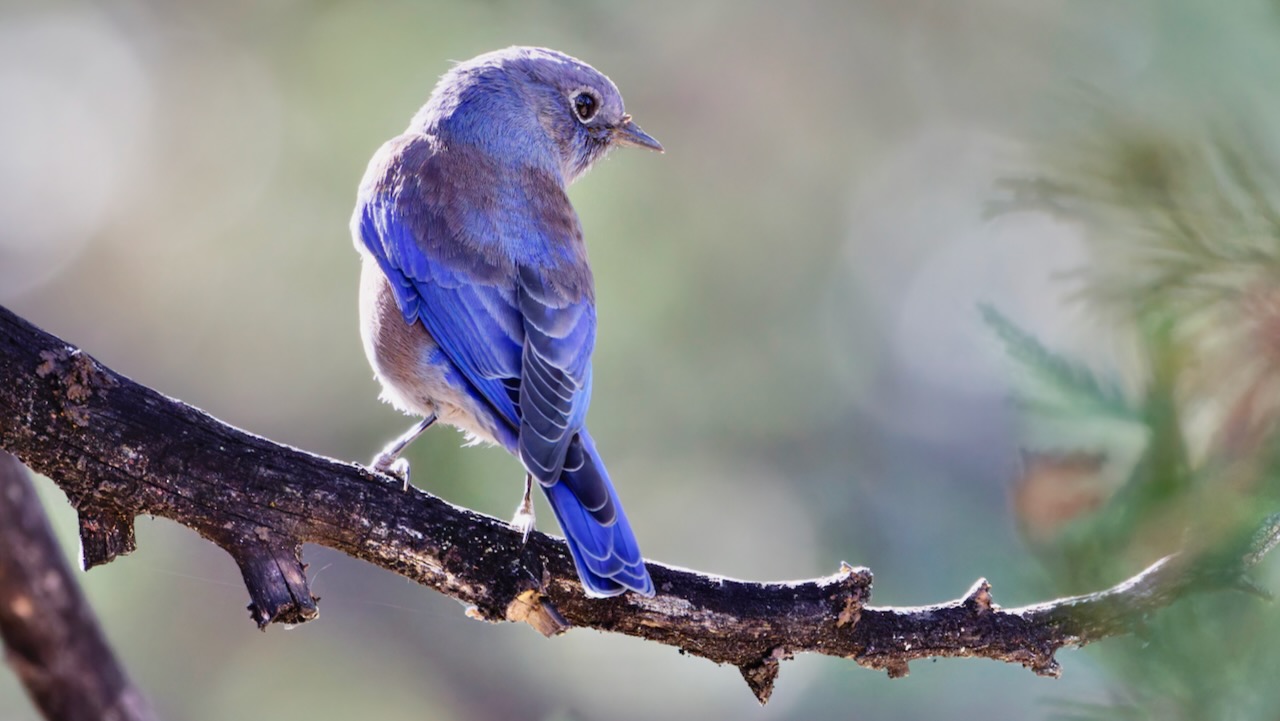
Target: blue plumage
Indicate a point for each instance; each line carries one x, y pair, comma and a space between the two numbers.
477, 300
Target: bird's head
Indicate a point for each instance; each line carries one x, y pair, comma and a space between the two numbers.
532, 102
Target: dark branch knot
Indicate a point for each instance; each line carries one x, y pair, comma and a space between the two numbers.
78, 376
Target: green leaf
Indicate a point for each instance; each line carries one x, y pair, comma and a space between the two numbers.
1072, 385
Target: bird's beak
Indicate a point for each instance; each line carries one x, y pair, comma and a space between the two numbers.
628, 133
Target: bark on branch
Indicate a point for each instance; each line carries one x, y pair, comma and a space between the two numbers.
52, 640
119, 449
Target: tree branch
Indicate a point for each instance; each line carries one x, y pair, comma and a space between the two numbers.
119, 449
51, 637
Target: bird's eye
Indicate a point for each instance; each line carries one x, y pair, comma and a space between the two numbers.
585, 106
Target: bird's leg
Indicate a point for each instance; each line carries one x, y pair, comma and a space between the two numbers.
389, 460
523, 520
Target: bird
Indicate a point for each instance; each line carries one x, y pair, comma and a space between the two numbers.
477, 301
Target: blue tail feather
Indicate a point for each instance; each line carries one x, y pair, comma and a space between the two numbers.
605, 551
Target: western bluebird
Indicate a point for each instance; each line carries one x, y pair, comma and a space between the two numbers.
477, 303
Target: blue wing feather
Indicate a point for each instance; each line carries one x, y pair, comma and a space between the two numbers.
476, 326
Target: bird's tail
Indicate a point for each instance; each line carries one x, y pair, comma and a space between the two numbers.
604, 548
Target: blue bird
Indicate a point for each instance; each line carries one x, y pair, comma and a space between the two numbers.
477, 303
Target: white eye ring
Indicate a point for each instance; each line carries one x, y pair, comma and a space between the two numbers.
585, 104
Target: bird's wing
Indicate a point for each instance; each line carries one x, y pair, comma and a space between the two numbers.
494, 267
555, 376
475, 324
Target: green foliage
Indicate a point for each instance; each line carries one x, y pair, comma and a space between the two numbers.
1182, 225
1062, 385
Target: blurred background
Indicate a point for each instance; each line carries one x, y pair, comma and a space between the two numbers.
794, 366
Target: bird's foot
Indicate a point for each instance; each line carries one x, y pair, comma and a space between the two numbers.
392, 466
523, 520
389, 460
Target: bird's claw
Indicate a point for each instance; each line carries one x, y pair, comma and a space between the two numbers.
394, 467
523, 522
